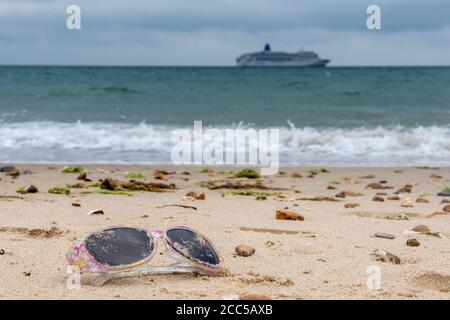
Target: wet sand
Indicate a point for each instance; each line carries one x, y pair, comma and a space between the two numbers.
326, 256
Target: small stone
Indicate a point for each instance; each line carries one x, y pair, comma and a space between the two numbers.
421, 228
405, 189
378, 199
196, 196
254, 297
75, 204
351, 205
95, 212
435, 176
32, 189
407, 203
444, 194
381, 194
446, 208
2, 252
393, 197
377, 186
370, 176
296, 175
422, 200
7, 169
82, 176
340, 195
159, 176
385, 256
244, 250
331, 188
413, 242
288, 215
384, 235
445, 201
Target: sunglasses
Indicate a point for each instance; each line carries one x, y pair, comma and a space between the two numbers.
124, 251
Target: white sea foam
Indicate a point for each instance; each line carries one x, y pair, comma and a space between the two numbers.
145, 143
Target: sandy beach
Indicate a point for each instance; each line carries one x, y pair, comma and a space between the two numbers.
326, 256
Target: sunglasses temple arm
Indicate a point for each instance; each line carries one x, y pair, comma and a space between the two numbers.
101, 279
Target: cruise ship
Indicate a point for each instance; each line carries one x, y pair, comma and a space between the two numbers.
269, 58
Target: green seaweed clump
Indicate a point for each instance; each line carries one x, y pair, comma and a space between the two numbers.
247, 173
134, 175
63, 190
21, 191
72, 170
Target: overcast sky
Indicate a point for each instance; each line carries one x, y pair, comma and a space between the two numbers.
214, 32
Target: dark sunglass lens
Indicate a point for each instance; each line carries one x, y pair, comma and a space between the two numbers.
119, 246
193, 245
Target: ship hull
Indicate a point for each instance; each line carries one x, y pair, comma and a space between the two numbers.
285, 64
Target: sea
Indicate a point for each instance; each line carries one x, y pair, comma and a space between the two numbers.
336, 116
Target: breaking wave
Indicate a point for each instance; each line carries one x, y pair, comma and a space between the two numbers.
47, 142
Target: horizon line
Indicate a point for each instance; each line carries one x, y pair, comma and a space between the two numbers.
216, 66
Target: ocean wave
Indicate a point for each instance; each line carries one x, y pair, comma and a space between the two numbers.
147, 143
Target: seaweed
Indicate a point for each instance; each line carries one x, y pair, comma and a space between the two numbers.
247, 173
317, 171
107, 192
22, 190
259, 195
134, 175
72, 170
62, 190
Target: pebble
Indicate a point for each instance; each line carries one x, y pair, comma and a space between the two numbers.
32, 189
413, 242
384, 235
437, 213
95, 212
351, 205
422, 200
196, 196
407, 203
444, 194
74, 204
7, 169
393, 197
421, 228
385, 256
446, 208
288, 215
82, 176
405, 189
378, 199
244, 250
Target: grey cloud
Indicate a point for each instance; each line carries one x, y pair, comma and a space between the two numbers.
214, 32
